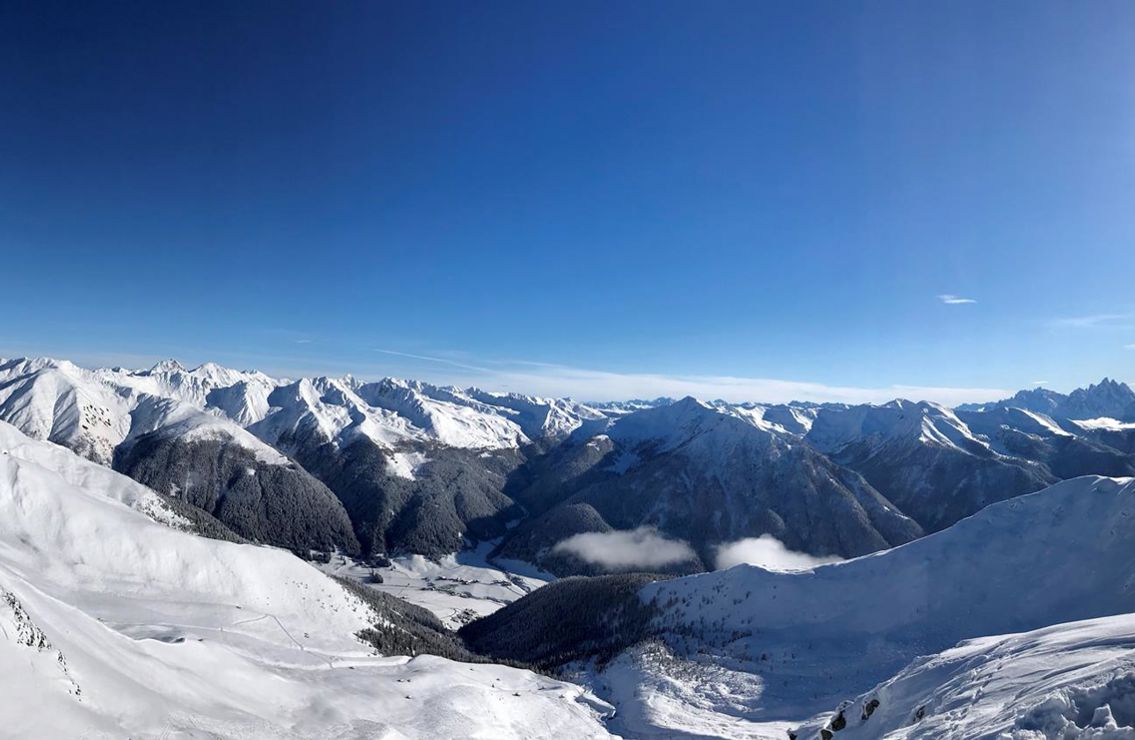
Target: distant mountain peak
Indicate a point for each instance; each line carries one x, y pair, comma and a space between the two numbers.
167, 366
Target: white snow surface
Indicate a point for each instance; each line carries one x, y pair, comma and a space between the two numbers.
456, 588
61, 402
117, 625
406, 464
1074, 680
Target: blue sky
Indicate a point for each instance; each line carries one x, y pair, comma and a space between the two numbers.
601, 199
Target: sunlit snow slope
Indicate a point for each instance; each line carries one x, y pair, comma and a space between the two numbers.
1067, 681
115, 624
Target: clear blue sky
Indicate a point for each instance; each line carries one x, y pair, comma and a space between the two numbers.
564, 194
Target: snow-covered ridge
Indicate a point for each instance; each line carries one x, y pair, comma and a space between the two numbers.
118, 625
1068, 681
923, 422
53, 399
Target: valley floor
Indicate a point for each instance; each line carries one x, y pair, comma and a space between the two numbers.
457, 588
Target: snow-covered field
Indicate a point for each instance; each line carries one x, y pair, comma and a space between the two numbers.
113, 624
457, 588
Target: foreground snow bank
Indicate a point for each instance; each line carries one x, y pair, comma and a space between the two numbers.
115, 624
1068, 681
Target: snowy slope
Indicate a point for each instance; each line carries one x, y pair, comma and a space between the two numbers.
114, 623
1067, 681
803, 642
61, 402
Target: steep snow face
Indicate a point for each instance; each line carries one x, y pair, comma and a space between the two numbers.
324, 410
58, 401
115, 624
450, 423
390, 413
245, 402
925, 591
1067, 681
924, 422
1063, 554
541, 418
94, 412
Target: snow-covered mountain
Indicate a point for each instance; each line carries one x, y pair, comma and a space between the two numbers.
710, 475
118, 613
115, 621
1107, 399
924, 459
748, 652
413, 467
395, 452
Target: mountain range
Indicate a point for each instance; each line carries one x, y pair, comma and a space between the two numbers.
986, 589
397, 466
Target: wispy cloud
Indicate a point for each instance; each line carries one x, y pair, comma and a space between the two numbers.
545, 379
1092, 321
429, 358
954, 300
1040, 382
303, 341
1129, 346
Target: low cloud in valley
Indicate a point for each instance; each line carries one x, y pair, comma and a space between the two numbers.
769, 553
623, 550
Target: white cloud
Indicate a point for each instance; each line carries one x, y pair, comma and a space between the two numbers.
769, 553
303, 341
600, 385
1129, 346
1092, 321
627, 549
953, 300
548, 379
